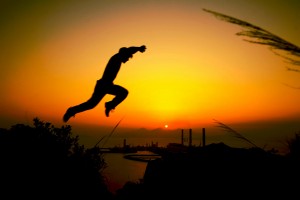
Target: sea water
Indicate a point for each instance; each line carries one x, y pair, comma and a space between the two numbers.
120, 170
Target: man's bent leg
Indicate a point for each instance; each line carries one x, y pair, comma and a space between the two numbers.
72, 111
120, 94
89, 104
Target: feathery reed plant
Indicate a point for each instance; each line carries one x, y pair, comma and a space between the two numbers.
261, 36
233, 132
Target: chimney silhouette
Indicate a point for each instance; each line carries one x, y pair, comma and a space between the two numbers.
203, 137
182, 136
190, 138
124, 143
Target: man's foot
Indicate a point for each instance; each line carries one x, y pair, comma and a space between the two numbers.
107, 109
68, 115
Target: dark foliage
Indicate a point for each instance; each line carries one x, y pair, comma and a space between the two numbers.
294, 146
43, 162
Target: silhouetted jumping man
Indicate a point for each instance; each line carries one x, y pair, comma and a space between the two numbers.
105, 85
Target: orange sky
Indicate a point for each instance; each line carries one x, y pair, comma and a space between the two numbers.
195, 68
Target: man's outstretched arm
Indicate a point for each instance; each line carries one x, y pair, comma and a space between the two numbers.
133, 50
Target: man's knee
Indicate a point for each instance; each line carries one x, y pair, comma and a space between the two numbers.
125, 93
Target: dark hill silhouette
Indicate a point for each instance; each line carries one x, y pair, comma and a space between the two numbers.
217, 171
43, 161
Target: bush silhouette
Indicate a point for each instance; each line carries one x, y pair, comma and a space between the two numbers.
294, 146
44, 161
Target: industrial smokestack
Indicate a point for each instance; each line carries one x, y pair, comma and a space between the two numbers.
124, 143
182, 136
203, 137
190, 138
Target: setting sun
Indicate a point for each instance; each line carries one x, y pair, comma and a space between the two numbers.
166, 126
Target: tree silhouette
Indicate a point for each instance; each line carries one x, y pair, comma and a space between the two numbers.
287, 50
44, 161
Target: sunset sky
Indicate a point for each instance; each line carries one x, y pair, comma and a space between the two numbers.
195, 68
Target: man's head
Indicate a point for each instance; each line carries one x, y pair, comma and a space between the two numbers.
125, 54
